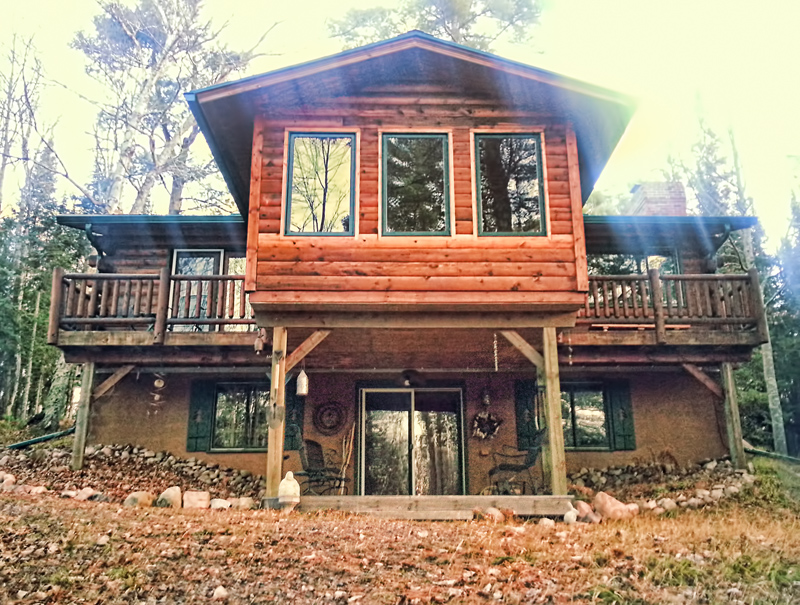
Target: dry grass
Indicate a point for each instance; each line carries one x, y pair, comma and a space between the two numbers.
746, 551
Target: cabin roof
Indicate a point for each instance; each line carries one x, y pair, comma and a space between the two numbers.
641, 235
225, 112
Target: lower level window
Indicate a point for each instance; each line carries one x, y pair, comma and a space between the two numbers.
240, 416
583, 416
597, 415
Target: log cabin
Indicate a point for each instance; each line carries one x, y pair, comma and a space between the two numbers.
411, 309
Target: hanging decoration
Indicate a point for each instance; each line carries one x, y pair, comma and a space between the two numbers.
302, 384
485, 425
329, 418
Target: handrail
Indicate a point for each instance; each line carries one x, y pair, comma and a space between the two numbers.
147, 301
662, 300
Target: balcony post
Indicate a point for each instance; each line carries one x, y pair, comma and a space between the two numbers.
658, 305
732, 420
56, 294
758, 305
556, 459
160, 329
277, 417
82, 416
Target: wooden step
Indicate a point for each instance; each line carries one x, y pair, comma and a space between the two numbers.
438, 507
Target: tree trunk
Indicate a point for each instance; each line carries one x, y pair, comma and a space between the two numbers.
60, 394
29, 370
773, 395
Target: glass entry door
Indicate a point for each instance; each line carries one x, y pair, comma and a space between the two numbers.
412, 442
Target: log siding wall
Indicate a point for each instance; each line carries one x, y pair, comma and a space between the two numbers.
532, 270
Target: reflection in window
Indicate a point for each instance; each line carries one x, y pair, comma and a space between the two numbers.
510, 194
193, 262
415, 192
321, 175
240, 417
583, 414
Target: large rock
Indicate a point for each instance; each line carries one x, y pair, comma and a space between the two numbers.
219, 503
9, 479
170, 498
85, 493
244, 503
140, 499
193, 499
494, 514
609, 507
584, 509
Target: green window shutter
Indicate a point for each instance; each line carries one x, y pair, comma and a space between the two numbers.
525, 404
201, 416
620, 413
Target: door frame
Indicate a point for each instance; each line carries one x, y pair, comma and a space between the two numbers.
389, 387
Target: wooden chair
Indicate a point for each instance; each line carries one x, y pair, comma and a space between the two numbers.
511, 463
318, 477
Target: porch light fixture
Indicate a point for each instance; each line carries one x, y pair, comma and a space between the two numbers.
302, 384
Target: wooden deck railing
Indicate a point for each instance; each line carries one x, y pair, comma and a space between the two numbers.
158, 302
727, 301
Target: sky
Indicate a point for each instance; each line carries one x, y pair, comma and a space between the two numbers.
733, 62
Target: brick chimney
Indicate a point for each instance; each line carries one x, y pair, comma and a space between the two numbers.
659, 199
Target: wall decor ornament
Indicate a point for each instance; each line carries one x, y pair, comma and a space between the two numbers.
329, 418
485, 425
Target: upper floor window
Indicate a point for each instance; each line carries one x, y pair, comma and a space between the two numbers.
509, 184
415, 184
321, 177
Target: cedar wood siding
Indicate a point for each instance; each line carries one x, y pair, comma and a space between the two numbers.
456, 267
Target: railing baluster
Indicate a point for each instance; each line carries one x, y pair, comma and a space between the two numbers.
198, 301
242, 301
126, 298
596, 296
137, 298
177, 287
187, 296
222, 289
148, 297
635, 297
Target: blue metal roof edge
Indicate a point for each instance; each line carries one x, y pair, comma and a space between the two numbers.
79, 221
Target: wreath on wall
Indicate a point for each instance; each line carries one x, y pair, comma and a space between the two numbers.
485, 425
329, 418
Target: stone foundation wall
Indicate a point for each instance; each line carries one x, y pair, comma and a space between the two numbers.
673, 414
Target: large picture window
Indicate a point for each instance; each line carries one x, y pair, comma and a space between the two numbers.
597, 415
509, 184
321, 177
415, 184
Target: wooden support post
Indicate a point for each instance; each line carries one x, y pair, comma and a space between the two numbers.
56, 293
277, 415
658, 306
162, 307
524, 347
732, 420
82, 417
555, 434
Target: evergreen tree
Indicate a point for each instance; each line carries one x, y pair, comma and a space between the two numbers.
476, 23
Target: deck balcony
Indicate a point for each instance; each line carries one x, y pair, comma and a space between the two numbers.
677, 310
652, 311
115, 309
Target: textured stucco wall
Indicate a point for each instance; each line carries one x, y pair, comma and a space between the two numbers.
672, 413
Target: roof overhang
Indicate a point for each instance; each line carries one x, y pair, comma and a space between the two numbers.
660, 235
108, 232
226, 112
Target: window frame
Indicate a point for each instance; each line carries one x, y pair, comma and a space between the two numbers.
286, 205
544, 206
233, 450
602, 387
446, 135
